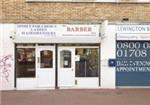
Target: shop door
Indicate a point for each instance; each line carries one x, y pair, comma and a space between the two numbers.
66, 66
45, 66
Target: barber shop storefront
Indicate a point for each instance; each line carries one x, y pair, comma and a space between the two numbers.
76, 56
57, 56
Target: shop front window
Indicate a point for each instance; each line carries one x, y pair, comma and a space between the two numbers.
25, 62
87, 63
65, 59
46, 58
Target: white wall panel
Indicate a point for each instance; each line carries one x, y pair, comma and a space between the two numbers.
108, 44
7, 68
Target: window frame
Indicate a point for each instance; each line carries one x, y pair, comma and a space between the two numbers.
90, 47
18, 75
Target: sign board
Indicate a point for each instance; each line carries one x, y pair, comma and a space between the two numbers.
133, 37
80, 30
36, 30
134, 29
133, 63
56, 30
133, 55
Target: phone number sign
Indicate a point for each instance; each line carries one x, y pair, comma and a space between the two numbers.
133, 63
133, 56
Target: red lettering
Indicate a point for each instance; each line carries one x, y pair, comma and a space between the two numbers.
79, 29
68, 29
72, 29
89, 29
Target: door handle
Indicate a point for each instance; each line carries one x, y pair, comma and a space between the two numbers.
38, 62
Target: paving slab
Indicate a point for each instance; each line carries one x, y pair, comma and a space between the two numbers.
77, 97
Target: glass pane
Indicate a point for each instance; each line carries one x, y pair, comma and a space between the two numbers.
25, 64
46, 59
87, 65
65, 59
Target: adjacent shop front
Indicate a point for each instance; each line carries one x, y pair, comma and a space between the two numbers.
133, 55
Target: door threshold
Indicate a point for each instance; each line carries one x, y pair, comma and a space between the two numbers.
36, 89
79, 87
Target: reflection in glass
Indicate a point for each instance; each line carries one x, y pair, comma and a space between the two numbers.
46, 59
25, 64
87, 66
65, 59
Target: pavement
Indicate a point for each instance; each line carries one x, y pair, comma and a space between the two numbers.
77, 97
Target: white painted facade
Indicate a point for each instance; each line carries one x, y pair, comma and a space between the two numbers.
107, 74
1, 51
7, 70
108, 51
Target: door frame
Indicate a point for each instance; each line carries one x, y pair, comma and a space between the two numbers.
98, 47
50, 48
28, 80
99, 52
72, 69
56, 46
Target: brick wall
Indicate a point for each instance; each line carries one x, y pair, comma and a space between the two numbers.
0, 10
18, 11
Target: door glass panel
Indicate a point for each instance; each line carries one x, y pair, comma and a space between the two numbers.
25, 62
87, 63
65, 59
46, 59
